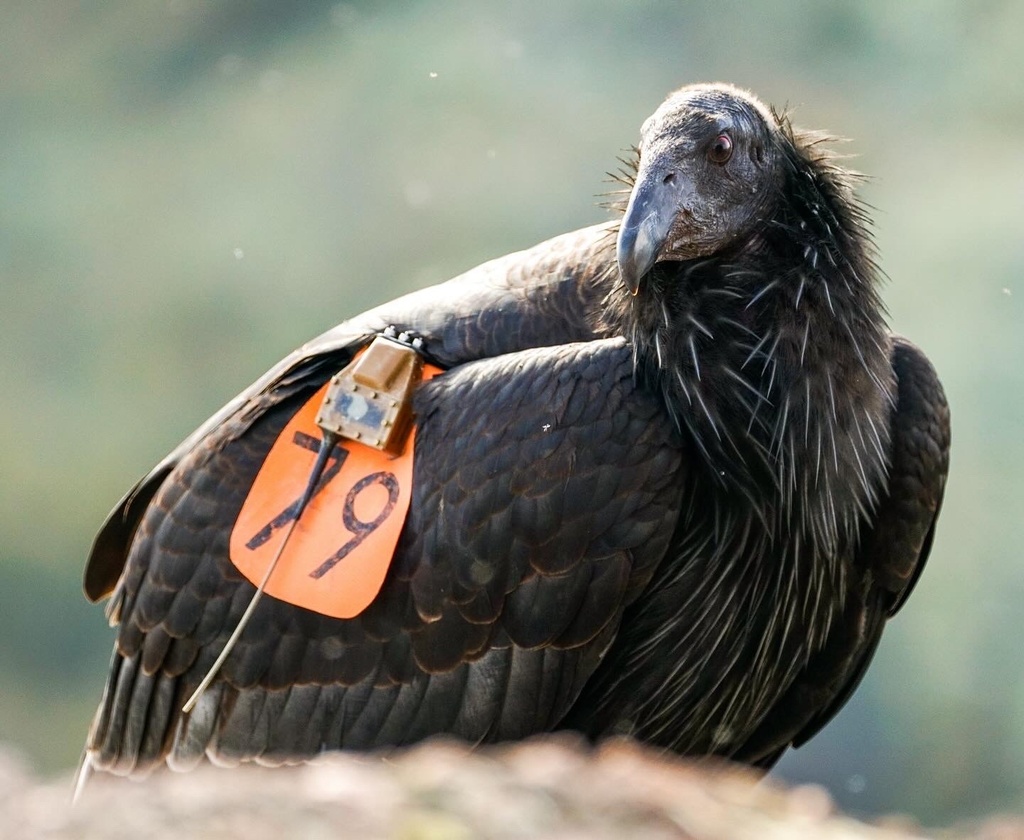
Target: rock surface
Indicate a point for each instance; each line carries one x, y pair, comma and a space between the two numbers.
554, 789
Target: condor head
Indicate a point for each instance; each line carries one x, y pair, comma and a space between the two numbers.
710, 166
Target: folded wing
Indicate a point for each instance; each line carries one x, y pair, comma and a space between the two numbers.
546, 487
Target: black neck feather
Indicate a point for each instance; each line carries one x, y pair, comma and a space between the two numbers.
772, 355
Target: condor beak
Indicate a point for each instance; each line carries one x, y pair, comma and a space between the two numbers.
645, 226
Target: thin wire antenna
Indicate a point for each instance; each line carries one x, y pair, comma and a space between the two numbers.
327, 444
85, 771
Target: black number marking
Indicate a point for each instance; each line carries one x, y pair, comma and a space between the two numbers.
359, 529
311, 443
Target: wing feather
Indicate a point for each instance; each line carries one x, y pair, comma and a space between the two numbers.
507, 589
539, 297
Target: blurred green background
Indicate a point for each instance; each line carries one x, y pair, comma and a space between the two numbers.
190, 188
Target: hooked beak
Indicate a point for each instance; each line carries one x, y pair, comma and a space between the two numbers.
649, 216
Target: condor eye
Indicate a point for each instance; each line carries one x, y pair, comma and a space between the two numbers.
721, 149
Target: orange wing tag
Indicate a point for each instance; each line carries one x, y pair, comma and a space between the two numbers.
339, 553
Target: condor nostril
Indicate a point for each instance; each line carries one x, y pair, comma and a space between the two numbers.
669, 179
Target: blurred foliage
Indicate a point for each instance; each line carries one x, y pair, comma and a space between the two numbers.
190, 188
